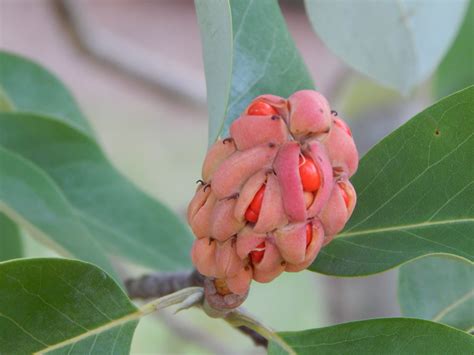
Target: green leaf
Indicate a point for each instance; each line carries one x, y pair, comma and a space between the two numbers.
379, 336
26, 86
248, 51
399, 43
31, 199
415, 191
215, 23
456, 70
10, 242
63, 306
121, 217
439, 289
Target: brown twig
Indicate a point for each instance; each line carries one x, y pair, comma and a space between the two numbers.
161, 284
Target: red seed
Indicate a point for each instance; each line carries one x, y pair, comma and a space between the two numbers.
260, 108
253, 210
256, 203
343, 125
309, 174
309, 234
251, 216
256, 255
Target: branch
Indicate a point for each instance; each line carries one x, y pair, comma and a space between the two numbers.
145, 64
241, 318
258, 340
161, 284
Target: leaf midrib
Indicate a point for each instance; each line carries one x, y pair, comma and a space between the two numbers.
99, 330
452, 306
401, 227
148, 308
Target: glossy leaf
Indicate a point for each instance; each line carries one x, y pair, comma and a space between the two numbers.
121, 217
439, 289
31, 199
61, 307
248, 51
415, 191
456, 71
26, 86
399, 43
379, 336
10, 242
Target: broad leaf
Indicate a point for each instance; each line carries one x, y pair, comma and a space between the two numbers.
31, 199
247, 52
456, 71
440, 289
25, 86
119, 216
62, 307
379, 336
415, 191
10, 242
399, 43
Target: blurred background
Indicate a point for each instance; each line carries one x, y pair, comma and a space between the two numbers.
136, 69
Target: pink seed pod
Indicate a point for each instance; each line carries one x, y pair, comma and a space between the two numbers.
339, 208
248, 240
319, 155
240, 283
273, 193
235, 170
219, 152
250, 131
271, 265
228, 264
199, 199
203, 256
224, 224
201, 221
272, 214
312, 248
291, 241
249, 189
279, 104
341, 149
286, 167
309, 113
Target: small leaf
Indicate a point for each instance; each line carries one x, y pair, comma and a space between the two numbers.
63, 306
415, 191
248, 51
119, 216
456, 70
399, 43
25, 86
31, 199
10, 242
440, 289
379, 336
